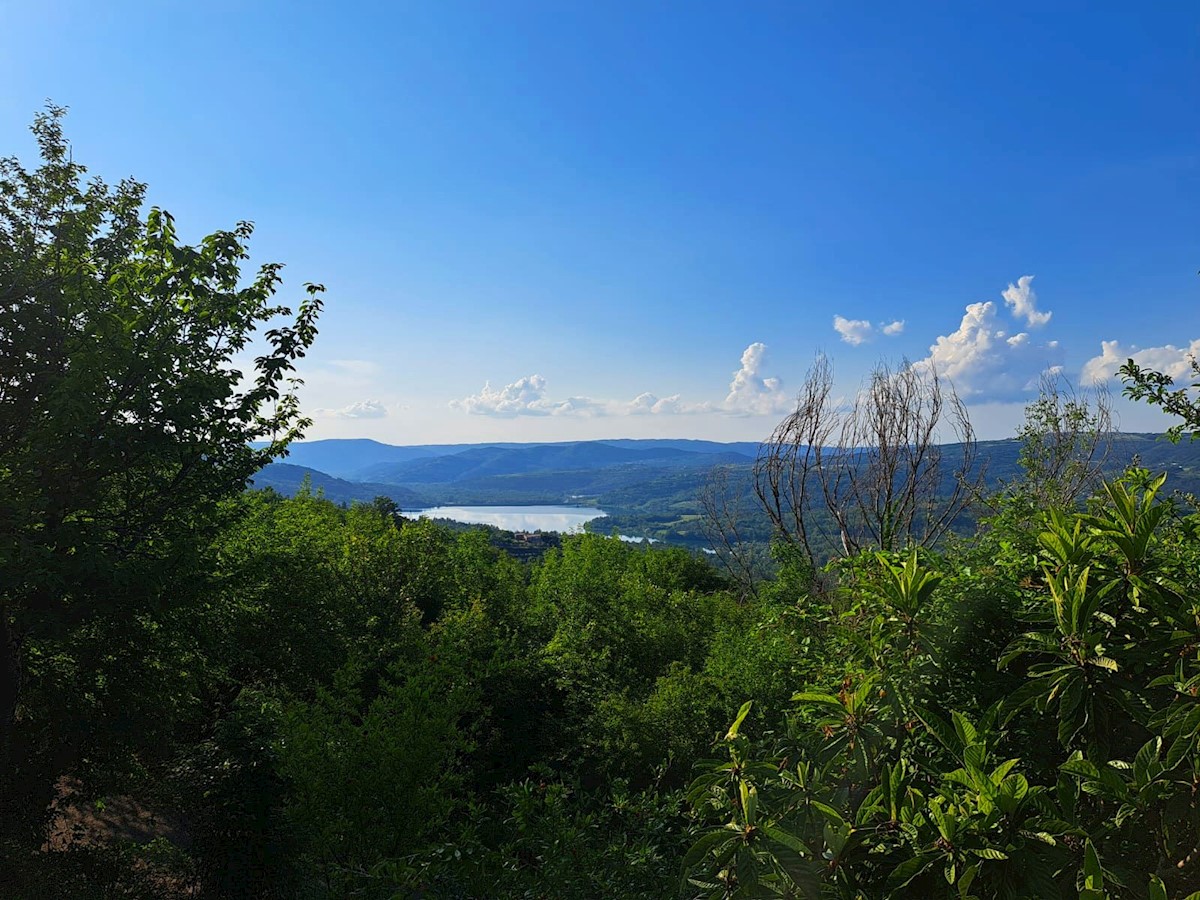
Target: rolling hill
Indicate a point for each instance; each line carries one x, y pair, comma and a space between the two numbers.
288, 479
652, 486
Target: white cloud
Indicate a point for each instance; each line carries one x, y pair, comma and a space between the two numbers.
527, 397
648, 404
363, 409
1168, 359
985, 363
750, 393
860, 331
524, 397
1021, 299
853, 331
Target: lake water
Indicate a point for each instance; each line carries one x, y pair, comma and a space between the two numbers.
565, 519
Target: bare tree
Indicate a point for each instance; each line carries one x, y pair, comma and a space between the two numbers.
893, 466
785, 472
721, 504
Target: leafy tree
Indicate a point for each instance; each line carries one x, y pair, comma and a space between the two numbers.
1065, 441
125, 417
1156, 389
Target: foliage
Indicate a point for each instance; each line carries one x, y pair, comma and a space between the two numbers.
372, 767
883, 793
1155, 388
338, 702
127, 419
1065, 440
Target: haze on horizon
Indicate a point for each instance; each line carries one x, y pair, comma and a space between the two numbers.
543, 222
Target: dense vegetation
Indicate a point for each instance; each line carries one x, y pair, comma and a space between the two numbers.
310, 700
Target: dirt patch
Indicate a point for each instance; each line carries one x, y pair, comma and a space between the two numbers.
77, 822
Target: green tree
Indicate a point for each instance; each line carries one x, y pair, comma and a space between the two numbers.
1065, 441
1156, 389
125, 417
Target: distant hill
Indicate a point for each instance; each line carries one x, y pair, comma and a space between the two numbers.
647, 487
484, 462
367, 460
748, 449
287, 479
1181, 461
346, 458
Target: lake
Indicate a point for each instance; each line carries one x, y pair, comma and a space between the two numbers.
565, 519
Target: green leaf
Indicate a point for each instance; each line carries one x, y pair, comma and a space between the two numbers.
1077, 765
1091, 865
790, 841
813, 697
964, 729
939, 728
737, 723
965, 880
704, 845
989, 853
1001, 771
1145, 758
908, 870
828, 812
1178, 749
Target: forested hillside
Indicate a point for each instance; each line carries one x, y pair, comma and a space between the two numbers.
215, 692
651, 489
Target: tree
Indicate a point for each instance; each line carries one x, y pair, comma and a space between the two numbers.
124, 418
723, 519
873, 472
1065, 442
1155, 388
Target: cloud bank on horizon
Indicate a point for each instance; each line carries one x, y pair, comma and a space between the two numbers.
751, 393
997, 354
993, 357
1168, 359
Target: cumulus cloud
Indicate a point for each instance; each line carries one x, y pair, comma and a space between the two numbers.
648, 404
984, 362
524, 397
860, 331
363, 409
1021, 299
750, 393
853, 331
1168, 359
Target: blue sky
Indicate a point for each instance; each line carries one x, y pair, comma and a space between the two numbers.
644, 219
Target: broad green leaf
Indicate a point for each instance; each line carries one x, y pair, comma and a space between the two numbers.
737, 722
